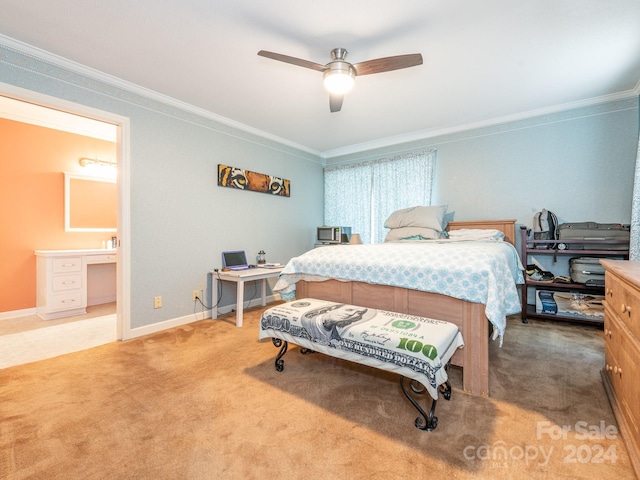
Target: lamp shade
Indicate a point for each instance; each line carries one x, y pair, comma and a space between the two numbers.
355, 239
339, 78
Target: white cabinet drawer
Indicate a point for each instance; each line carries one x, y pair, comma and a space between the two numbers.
64, 265
67, 282
70, 300
106, 258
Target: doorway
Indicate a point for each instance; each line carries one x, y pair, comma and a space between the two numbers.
83, 116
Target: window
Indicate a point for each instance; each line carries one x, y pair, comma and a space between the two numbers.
363, 195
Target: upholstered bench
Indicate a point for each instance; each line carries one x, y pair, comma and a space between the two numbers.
416, 348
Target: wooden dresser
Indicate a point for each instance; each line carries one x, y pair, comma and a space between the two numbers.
621, 373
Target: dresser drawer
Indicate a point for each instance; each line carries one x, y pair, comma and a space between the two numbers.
630, 388
620, 367
612, 368
67, 282
624, 300
622, 349
612, 334
612, 346
64, 265
67, 301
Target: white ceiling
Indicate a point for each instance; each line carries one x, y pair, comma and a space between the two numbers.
484, 61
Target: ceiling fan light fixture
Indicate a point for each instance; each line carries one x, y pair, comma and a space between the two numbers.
339, 78
339, 75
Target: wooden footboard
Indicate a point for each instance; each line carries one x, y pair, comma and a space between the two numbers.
469, 317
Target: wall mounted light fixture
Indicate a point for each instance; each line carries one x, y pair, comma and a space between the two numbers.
85, 162
99, 168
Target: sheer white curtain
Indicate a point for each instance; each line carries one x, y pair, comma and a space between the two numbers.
634, 247
363, 195
400, 182
347, 196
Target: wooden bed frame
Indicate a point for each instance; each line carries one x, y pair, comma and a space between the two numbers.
468, 316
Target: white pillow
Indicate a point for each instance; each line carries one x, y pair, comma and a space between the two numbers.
425, 217
476, 234
403, 233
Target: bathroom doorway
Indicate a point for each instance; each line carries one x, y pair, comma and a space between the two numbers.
47, 113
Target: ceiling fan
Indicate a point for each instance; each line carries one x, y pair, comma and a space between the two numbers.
339, 75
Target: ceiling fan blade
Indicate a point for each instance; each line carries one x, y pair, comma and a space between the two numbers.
292, 60
335, 102
387, 64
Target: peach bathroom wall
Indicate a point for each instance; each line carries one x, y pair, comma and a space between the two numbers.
33, 160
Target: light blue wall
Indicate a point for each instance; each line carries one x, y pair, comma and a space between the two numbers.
181, 220
578, 164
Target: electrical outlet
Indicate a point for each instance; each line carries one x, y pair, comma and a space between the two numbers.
195, 295
157, 302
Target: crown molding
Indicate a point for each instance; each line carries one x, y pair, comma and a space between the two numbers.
85, 71
432, 133
323, 156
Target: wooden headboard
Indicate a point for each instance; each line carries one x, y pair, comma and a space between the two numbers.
508, 227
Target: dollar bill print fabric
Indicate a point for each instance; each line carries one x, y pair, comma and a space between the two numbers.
415, 347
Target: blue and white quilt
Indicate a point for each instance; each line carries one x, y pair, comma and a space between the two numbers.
485, 272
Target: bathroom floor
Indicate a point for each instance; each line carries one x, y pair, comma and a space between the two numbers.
29, 339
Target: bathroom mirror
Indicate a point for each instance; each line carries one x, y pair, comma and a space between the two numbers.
90, 204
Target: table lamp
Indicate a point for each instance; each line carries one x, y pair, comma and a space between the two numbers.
355, 239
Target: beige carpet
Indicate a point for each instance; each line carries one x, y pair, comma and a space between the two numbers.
204, 401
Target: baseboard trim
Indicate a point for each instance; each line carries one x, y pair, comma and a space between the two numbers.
17, 313
167, 324
248, 304
180, 321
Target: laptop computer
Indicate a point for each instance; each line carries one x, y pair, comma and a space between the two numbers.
235, 260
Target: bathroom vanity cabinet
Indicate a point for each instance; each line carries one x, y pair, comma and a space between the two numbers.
64, 277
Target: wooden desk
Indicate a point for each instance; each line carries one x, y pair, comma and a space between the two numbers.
240, 277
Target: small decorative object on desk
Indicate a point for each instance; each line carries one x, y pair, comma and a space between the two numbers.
261, 257
355, 239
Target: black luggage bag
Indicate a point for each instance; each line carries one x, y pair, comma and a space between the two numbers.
585, 231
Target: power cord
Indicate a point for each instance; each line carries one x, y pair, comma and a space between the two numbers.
199, 300
219, 299
253, 297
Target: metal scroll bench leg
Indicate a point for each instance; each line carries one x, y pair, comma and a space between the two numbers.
427, 421
285, 345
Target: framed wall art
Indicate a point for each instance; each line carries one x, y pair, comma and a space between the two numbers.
239, 178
